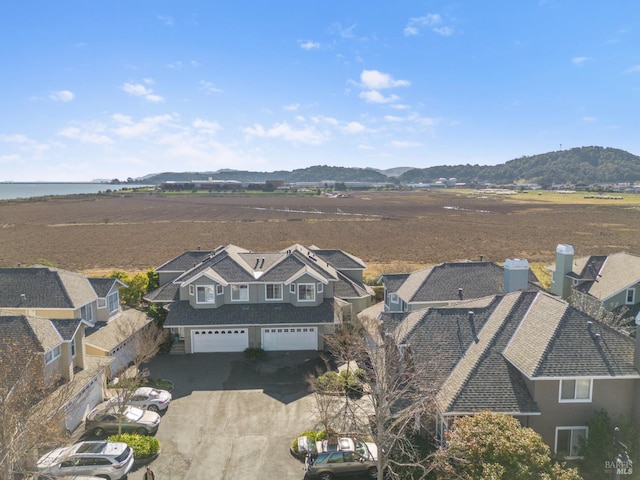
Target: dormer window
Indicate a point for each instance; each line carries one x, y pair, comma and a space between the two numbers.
205, 294
113, 302
52, 354
393, 298
86, 313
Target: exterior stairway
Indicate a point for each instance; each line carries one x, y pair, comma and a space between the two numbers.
178, 348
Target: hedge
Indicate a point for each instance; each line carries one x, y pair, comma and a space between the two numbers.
143, 446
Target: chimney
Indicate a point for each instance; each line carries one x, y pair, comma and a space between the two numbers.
560, 284
516, 274
481, 257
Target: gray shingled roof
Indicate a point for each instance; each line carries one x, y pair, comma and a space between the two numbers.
393, 282
339, 259
67, 328
19, 344
108, 336
615, 273
184, 262
346, 287
182, 314
102, 286
44, 287
165, 293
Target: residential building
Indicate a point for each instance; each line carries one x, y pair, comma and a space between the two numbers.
608, 282
229, 298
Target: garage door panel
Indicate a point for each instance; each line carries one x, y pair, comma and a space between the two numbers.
290, 338
219, 340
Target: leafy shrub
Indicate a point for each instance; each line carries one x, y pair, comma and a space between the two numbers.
313, 435
159, 383
344, 382
255, 353
143, 446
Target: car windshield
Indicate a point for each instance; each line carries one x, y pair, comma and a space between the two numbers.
133, 413
361, 448
154, 393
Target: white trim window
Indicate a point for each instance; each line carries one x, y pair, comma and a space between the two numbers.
102, 303
240, 292
192, 289
86, 313
630, 297
306, 292
273, 292
73, 348
52, 354
292, 288
567, 441
575, 390
320, 288
113, 302
205, 294
219, 289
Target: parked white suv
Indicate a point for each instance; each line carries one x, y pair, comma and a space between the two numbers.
109, 460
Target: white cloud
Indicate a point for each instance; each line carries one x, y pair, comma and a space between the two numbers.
285, 131
579, 60
15, 138
400, 144
432, 21
373, 96
400, 106
362, 146
177, 65
129, 129
634, 69
92, 134
9, 158
376, 80
589, 119
291, 107
205, 126
61, 96
308, 45
354, 127
165, 19
25, 144
209, 87
393, 118
139, 90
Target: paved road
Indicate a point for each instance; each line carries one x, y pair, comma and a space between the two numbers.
232, 418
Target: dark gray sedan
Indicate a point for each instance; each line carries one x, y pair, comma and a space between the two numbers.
341, 464
126, 419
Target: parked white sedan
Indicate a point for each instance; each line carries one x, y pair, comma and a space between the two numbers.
148, 398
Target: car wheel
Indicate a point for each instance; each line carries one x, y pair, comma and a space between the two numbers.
153, 408
141, 431
326, 476
103, 476
99, 432
372, 472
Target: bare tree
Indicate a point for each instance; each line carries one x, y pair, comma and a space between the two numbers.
397, 401
142, 339
32, 409
594, 307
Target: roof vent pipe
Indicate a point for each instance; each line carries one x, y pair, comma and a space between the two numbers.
460, 295
472, 324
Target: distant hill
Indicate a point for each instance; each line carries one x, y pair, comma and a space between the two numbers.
583, 165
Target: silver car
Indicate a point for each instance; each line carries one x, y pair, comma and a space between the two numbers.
108, 460
147, 398
126, 419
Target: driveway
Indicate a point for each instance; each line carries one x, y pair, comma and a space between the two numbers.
233, 418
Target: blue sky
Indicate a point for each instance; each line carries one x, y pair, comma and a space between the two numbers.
117, 89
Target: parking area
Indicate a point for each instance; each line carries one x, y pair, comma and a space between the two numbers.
233, 418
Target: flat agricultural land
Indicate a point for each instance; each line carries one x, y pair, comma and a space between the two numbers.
391, 231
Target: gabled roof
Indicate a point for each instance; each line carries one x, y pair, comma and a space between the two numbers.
44, 287
346, 287
102, 286
18, 346
107, 336
67, 328
182, 314
605, 276
520, 335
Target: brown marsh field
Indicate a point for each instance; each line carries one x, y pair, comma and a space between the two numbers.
390, 231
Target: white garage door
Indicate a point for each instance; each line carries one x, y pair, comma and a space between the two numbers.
82, 403
219, 340
290, 338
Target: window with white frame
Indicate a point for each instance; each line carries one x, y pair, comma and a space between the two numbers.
568, 440
205, 294
86, 313
306, 292
192, 289
393, 298
52, 354
113, 302
219, 289
273, 291
631, 296
102, 302
320, 288
73, 348
575, 390
240, 292
292, 288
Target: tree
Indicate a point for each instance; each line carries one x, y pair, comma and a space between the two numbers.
32, 408
594, 307
602, 447
396, 401
494, 446
137, 286
143, 340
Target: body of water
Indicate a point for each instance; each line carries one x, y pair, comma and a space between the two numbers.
14, 190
